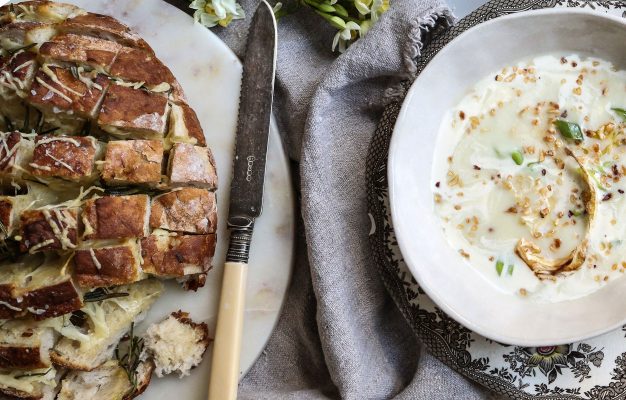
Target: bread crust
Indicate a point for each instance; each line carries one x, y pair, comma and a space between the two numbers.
18, 72
69, 158
22, 357
192, 165
57, 228
184, 125
53, 300
133, 161
116, 217
189, 210
87, 50
12, 394
8, 151
177, 256
107, 266
103, 26
133, 112
68, 93
139, 65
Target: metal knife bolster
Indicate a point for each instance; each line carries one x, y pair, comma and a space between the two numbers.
240, 238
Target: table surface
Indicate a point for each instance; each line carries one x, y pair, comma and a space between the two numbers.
463, 7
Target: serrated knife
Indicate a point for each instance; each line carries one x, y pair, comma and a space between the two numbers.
246, 197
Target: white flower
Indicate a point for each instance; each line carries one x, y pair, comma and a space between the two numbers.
363, 6
344, 36
378, 8
213, 12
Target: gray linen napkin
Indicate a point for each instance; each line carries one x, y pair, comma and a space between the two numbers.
340, 334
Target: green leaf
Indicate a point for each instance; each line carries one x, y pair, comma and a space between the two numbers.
340, 10
569, 130
333, 19
510, 270
327, 8
518, 157
499, 267
621, 112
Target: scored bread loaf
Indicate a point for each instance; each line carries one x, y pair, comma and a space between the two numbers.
107, 185
100, 124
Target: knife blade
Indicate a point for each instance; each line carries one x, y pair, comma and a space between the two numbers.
246, 197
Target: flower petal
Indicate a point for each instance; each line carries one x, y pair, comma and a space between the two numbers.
336, 40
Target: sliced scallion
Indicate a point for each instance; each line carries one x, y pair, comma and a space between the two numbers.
621, 112
517, 157
499, 267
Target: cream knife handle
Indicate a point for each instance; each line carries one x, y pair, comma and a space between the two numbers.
227, 346
224, 379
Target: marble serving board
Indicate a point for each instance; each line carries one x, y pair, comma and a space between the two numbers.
210, 75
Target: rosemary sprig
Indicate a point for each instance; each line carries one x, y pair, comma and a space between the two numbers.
28, 46
101, 294
33, 374
132, 358
128, 190
49, 131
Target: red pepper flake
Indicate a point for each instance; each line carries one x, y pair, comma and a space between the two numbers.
607, 197
615, 170
574, 64
461, 115
476, 167
620, 191
564, 114
563, 60
437, 184
544, 172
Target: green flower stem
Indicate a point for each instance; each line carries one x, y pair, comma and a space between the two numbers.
327, 8
335, 21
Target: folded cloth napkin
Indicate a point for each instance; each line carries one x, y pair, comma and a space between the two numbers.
340, 334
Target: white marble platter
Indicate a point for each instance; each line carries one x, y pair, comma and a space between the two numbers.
210, 75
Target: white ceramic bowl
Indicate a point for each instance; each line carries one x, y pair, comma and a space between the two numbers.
456, 288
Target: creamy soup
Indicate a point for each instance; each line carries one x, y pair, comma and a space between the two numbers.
530, 177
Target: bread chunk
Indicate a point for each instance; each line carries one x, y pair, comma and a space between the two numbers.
16, 152
133, 113
116, 217
107, 382
168, 256
104, 27
42, 10
70, 158
38, 384
57, 91
192, 165
107, 266
82, 50
17, 74
189, 210
44, 230
109, 321
177, 344
139, 65
25, 344
184, 126
133, 162
49, 292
